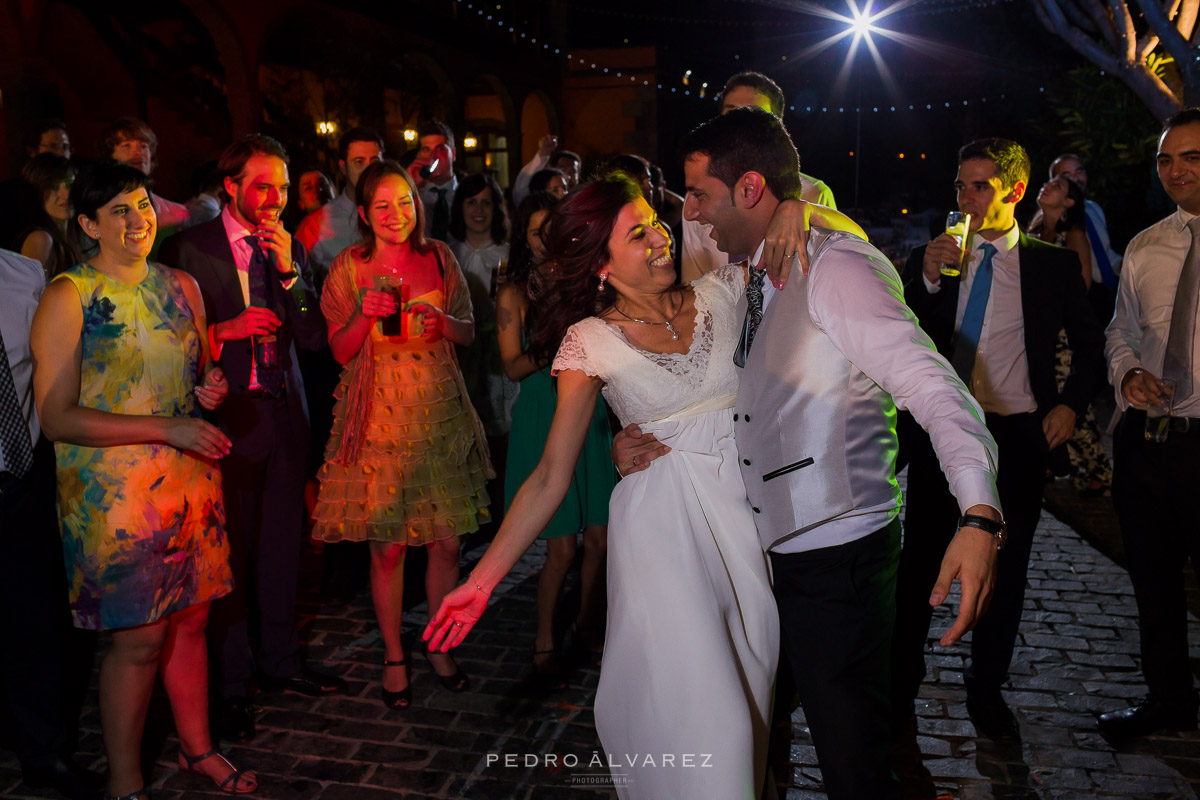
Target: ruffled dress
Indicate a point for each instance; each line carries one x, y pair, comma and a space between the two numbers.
407, 453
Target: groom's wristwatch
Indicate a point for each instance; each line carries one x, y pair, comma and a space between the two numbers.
998, 529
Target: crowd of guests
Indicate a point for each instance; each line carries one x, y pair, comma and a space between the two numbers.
210, 383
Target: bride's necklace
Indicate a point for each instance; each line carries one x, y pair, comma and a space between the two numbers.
668, 323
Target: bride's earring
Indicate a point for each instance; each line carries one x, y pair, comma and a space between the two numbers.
603, 278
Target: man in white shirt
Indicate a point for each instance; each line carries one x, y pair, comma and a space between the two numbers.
548, 156
334, 226
998, 324
827, 360
433, 172
700, 250
132, 142
1152, 338
32, 581
1106, 262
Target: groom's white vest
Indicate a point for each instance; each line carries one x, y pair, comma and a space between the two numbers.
816, 437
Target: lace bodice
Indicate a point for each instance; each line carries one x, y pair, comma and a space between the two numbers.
641, 386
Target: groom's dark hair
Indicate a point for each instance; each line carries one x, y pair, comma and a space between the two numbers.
748, 140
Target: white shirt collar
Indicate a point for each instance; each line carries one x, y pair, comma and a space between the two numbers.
233, 229
1003, 244
1182, 218
757, 257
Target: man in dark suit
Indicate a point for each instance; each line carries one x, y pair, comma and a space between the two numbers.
259, 301
998, 323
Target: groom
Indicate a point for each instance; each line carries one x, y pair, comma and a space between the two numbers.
826, 363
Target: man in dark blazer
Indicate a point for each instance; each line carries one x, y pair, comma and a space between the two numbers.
258, 296
998, 323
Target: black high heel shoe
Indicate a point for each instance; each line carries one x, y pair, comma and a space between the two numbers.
547, 669
398, 700
458, 682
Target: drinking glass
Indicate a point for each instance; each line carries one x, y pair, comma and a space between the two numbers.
1158, 415
393, 324
958, 225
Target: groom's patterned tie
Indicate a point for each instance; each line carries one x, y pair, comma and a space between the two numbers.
754, 312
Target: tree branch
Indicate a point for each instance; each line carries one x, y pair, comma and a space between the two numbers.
1185, 17
1051, 14
1149, 88
1174, 43
1123, 26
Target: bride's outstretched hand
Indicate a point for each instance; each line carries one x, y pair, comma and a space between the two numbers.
459, 612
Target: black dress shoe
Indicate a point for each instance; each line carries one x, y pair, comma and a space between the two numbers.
1149, 717
992, 716
237, 720
307, 681
67, 778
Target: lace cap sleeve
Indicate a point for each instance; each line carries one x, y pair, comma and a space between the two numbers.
573, 354
731, 279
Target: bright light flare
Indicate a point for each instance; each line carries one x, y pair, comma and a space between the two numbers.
862, 23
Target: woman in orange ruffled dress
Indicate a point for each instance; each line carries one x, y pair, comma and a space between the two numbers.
407, 461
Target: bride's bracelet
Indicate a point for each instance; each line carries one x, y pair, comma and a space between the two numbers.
476, 584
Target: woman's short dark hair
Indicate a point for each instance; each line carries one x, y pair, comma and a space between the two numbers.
540, 182
368, 184
576, 235
469, 187
97, 185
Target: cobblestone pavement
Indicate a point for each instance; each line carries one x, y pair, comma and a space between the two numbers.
1076, 657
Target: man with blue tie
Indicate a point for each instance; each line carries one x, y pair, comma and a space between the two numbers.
997, 323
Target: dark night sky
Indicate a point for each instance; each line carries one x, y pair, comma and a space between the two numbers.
968, 51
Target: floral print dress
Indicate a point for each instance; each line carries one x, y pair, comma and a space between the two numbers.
143, 525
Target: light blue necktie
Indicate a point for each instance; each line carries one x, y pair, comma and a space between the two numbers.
967, 343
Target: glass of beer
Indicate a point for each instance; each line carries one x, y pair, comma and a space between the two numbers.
958, 225
393, 324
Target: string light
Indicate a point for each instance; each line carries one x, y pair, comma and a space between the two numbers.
862, 24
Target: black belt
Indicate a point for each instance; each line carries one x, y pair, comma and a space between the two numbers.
1184, 426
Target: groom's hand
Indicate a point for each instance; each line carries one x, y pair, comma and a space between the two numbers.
632, 451
971, 558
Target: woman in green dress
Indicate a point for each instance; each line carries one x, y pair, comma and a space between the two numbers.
120, 370
585, 508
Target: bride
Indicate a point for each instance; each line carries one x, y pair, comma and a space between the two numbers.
683, 702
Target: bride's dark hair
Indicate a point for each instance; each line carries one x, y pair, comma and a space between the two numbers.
576, 235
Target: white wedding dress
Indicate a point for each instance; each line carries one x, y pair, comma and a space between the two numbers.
683, 705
